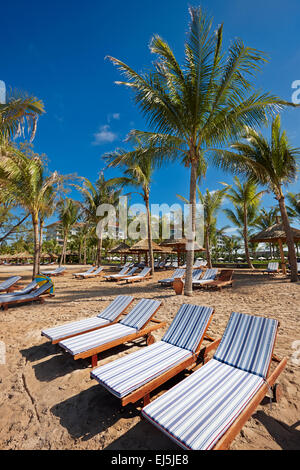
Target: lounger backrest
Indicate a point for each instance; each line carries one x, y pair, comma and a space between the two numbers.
247, 343
188, 327
196, 274
117, 306
298, 267
90, 270
144, 272
123, 271
98, 270
41, 290
9, 282
273, 266
29, 288
132, 271
141, 313
178, 273
225, 275
210, 274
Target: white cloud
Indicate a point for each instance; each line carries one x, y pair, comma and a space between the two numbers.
104, 135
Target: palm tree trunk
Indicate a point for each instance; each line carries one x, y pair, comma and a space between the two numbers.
36, 255
188, 288
207, 246
289, 239
246, 238
63, 253
41, 243
84, 250
151, 260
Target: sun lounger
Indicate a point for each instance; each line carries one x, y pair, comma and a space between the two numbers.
177, 274
60, 271
209, 408
144, 274
272, 268
208, 277
134, 325
134, 376
119, 277
36, 295
30, 287
108, 316
89, 271
122, 273
9, 284
97, 272
223, 279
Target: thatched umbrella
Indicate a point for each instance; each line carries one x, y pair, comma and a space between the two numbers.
276, 234
122, 249
142, 247
179, 245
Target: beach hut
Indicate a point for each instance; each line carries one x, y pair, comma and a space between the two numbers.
179, 246
122, 250
276, 234
141, 247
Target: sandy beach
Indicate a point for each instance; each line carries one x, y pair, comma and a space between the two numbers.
48, 401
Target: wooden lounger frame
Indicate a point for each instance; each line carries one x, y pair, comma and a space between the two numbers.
55, 341
146, 331
220, 283
143, 392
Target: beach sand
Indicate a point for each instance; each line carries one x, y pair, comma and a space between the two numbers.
48, 401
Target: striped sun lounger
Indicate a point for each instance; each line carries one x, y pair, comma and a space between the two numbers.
123, 273
144, 274
209, 276
97, 272
272, 268
209, 408
134, 376
89, 271
177, 274
30, 287
133, 326
108, 316
8, 284
35, 295
60, 271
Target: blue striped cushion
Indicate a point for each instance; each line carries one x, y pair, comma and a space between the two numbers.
74, 328
197, 411
196, 273
141, 313
210, 274
130, 372
273, 266
247, 343
91, 340
179, 273
117, 306
188, 326
9, 282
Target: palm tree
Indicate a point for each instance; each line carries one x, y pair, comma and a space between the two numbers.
265, 220
138, 170
246, 200
201, 105
294, 205
212, 201
103, 192
68, 211
19, 111
26, 183
272, 164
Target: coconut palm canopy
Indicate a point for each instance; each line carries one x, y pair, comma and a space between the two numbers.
274, 233
142, 246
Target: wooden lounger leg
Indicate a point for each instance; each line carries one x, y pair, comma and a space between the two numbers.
150, 339
94, 360
146, 399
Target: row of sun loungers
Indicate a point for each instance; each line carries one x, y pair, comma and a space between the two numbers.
207, 409
34, 295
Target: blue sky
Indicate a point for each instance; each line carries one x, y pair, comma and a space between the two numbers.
56, 51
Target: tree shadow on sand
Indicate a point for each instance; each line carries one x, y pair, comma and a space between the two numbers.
287, 437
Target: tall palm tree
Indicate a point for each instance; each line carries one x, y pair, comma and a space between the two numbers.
25, 181
272, 164
68, 211
138, 170
102, 192
294, 205
246, 200
212, 201
198, 106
